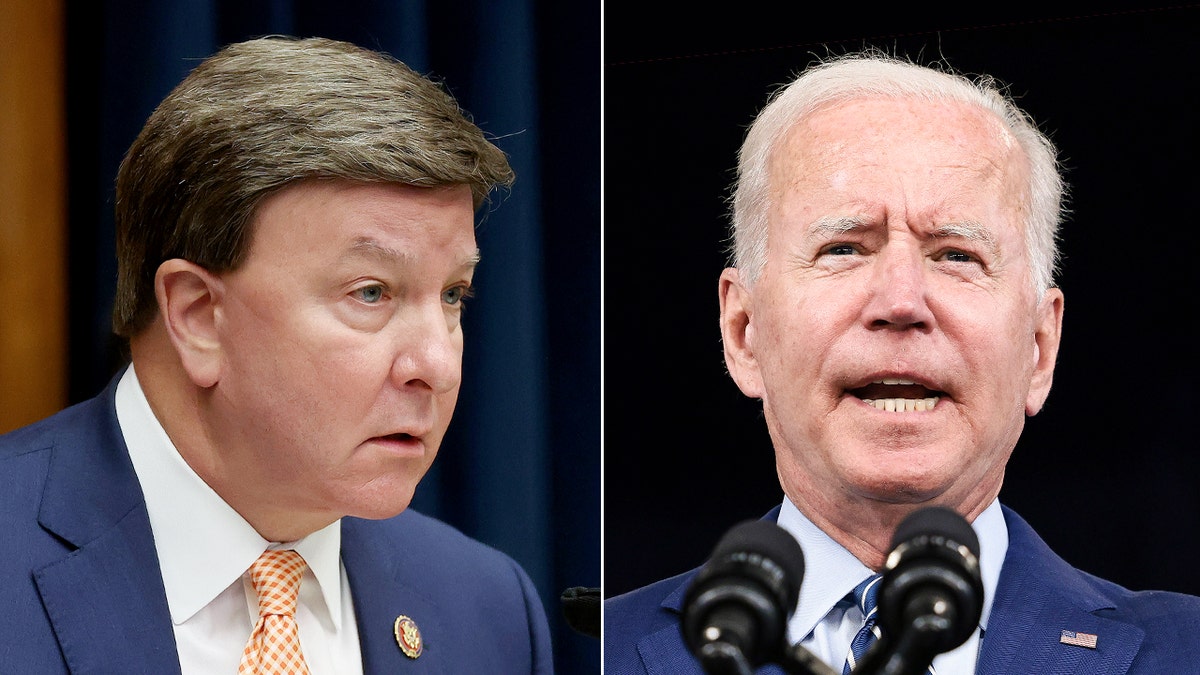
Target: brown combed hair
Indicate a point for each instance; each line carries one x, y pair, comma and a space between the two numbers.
261, 114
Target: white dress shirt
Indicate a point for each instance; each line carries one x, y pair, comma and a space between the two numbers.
205, 549
825, 623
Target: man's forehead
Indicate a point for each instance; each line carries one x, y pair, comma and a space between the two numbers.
961, 175
875, 128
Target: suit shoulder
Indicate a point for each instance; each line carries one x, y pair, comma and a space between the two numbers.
634, 615
648, 598
80, 418
1169, 622
38, 435
1149, 606
434, 534
463, 577
431, 544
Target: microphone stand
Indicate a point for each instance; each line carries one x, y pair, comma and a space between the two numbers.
799, 661
909, 654
723, 658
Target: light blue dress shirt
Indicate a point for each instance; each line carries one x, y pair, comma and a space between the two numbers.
825, 621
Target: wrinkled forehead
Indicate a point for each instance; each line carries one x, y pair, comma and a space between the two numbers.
871, 142
898, 130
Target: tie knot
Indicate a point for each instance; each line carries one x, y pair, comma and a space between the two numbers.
866, 594
276, 579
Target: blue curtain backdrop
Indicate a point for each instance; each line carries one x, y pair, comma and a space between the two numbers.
520, 467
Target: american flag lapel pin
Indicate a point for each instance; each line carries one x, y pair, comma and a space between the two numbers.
1070, 637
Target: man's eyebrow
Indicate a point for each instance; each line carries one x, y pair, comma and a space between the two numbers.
372, 248
825, 226
969, 230
837, 224
367, 247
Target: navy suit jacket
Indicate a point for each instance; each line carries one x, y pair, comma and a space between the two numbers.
81, 590
1038, 596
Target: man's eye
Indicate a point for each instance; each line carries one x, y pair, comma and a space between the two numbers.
455, 296
957, 256
370, 294
840, 249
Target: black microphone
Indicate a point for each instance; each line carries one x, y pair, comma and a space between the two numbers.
735, 612
581, 608
931, 593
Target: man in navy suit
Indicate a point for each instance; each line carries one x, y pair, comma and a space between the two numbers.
891, 301
295, 228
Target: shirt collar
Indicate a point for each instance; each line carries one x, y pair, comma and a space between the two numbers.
204, 545
832, 572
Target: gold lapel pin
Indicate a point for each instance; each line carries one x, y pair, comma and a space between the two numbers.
408, 636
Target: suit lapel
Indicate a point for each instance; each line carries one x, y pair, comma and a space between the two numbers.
383, 591
664, 652
1038, 597
105, 598
107, 603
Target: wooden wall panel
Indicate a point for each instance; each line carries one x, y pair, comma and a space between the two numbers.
33, 251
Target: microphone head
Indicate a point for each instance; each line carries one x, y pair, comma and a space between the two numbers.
937, 521
767, 539
931, 579
581, 607
746, 592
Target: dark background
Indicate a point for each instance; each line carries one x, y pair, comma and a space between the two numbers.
1107, 473
520, 466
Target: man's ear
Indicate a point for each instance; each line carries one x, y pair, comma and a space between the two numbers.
737, 333
188, 296
1047, 336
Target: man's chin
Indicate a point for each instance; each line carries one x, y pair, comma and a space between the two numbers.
380, 504
901, 487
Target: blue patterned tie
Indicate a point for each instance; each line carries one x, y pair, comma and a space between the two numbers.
865, 595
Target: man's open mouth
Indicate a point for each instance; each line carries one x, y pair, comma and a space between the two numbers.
397, 437
897, 395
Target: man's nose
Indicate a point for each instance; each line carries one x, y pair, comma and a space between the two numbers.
899, 291
428, 349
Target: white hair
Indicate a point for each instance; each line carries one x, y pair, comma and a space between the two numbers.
873, 73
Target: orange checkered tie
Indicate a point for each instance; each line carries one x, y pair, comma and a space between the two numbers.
274, 645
